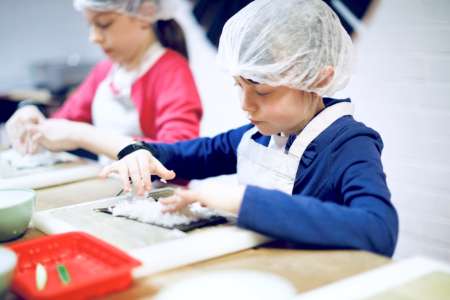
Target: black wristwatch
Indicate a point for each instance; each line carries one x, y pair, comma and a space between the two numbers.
134, 147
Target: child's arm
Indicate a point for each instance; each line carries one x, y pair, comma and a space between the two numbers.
368, 223
194, 159
202, 157
65, 135
361, 216
356, 214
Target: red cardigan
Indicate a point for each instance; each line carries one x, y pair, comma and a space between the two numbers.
166, 98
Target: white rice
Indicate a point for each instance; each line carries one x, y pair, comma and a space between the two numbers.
40, 159
149, 211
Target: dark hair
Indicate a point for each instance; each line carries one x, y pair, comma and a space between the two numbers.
171, 35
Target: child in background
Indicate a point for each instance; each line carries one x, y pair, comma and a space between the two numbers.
308, 172
144, 91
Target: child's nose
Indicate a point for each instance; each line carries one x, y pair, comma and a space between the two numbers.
247, 102
95, 36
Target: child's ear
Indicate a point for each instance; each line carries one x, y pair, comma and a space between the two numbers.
324, 78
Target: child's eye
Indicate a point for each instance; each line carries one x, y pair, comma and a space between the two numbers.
104, 25
262, 93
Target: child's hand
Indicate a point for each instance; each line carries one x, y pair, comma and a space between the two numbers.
17, 127
56, 134
220, 197
138, 166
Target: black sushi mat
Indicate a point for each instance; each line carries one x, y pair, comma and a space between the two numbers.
210, 221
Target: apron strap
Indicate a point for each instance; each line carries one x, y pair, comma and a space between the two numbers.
248, 135
318, 124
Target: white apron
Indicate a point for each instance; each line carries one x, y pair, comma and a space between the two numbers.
113, 108
270, 167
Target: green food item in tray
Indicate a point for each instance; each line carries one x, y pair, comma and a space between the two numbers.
63, 274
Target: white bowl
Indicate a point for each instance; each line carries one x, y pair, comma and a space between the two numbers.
8, 261
230, 284
16, 210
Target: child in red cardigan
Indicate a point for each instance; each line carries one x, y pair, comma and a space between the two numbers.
144, 91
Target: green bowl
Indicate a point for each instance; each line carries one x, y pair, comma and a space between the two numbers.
16, 210
8, 261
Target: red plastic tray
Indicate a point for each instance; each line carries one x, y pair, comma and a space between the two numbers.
95, 267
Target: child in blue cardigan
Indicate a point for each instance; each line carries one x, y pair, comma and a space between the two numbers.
308, 172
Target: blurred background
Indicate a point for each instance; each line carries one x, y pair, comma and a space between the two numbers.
401, 87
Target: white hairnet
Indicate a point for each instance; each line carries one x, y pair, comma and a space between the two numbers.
289, 43
159, 9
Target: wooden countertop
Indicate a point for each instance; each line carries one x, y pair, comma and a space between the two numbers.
305, 269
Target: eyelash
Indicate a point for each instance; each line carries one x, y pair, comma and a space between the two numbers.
257, 93
262, 94
104, 26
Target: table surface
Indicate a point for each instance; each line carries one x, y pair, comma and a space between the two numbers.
306, 269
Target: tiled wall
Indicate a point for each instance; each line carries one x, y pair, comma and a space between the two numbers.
402, 89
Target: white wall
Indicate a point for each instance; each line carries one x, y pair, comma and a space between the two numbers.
217, 90
33, 30
401, 88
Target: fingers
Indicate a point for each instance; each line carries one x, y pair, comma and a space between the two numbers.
157, 168
18, 146
189, 195
23, 140
28, 142
107, 170
35, 138
135, 173
16, 126
171, 203
138, 166
37, 119
179, 200
35, 142
144, 167
118, 168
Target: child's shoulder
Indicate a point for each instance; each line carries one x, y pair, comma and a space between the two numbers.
347, 128
350, 127
349, 132
172, 58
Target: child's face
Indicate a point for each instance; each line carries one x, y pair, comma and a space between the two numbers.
276, 109
121, 37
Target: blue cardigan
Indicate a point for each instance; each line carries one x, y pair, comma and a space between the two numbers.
340, 197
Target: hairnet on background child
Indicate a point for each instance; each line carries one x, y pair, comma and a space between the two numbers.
287, 42
159, 9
